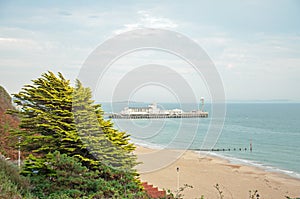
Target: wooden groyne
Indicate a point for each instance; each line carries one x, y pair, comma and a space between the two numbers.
224, 149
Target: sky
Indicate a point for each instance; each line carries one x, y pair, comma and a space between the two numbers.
254, 45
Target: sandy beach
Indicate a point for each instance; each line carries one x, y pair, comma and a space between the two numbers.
203, 172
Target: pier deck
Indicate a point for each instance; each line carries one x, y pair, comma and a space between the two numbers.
153, 116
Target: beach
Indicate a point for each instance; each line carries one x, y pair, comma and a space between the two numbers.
203, 172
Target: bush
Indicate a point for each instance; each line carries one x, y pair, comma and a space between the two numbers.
60, 175
12, 185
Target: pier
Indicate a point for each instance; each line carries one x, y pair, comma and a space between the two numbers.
153, 112
158, 116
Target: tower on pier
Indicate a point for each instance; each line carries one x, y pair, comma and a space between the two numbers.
202, 104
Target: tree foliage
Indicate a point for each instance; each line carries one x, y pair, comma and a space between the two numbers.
56, 117
105, 143
46, 117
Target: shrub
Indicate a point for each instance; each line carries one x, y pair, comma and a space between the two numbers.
12, 185
60, 174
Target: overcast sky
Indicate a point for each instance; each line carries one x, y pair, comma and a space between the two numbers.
254, 45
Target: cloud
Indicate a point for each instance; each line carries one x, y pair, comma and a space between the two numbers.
260, 63
11, 43
64, 13
230, 66
259, 51
146, 20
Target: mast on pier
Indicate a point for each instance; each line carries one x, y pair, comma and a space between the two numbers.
202, 104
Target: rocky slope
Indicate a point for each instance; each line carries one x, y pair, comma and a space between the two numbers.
7, 123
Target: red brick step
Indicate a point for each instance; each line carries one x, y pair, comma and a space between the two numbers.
153, 192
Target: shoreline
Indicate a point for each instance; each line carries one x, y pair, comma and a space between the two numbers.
260, 166
203, 172
232, 160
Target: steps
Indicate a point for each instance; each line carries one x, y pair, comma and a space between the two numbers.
152, 191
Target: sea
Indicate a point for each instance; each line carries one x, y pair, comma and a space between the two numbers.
272, 130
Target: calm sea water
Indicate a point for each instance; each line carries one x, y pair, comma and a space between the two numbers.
273, 129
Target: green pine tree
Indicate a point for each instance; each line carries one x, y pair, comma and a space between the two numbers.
116, 137
57, 117
46, 116
114, 152
54, 116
